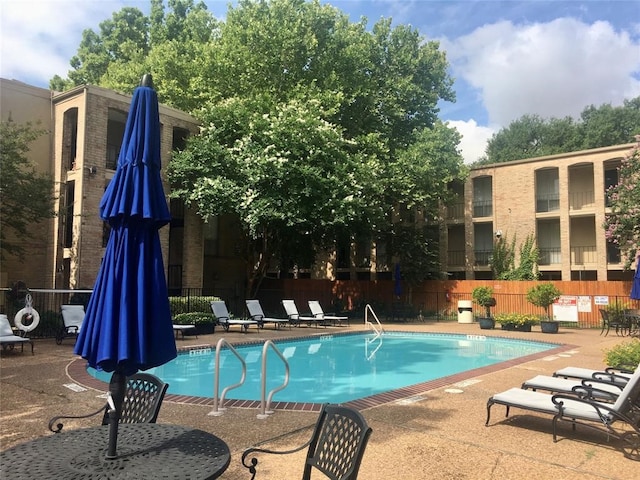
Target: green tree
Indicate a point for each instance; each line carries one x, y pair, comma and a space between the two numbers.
26, 196
623, 224
532, 136
325, 130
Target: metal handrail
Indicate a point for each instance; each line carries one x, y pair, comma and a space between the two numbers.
369, 355
266, 404
368, 309
217, 403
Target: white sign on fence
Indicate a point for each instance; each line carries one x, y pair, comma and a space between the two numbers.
565, 309
601, 300
584, 303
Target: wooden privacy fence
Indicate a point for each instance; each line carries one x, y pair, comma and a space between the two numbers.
439, 299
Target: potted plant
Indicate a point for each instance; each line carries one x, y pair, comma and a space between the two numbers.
543, 295
483, 296
521, 322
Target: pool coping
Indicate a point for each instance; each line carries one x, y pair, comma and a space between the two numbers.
76, 370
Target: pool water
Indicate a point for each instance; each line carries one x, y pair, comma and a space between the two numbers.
339, 368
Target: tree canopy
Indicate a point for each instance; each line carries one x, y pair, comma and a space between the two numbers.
26, 197
532, 136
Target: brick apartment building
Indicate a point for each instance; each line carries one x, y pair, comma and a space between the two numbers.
560, 199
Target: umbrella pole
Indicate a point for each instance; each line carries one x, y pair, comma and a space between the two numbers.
117, 387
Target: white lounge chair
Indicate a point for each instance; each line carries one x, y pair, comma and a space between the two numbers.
222, 316
316, 311
590, 388
609, 374
256, 313
8, 339
72, 318
581, 411
295, 318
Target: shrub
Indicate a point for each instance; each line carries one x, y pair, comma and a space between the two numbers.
180, 305
194, 318
624, 355
517, 318
543, 295
483, 296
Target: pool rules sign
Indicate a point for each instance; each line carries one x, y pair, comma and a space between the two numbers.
565, 308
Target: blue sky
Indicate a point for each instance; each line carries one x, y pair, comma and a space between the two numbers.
508, 58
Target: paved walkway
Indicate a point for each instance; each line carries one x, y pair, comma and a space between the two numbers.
434, 434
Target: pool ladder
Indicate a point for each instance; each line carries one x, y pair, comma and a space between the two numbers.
265, 400
377, 329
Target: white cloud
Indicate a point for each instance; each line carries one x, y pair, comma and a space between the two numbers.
40, 36
551, 69
474, 138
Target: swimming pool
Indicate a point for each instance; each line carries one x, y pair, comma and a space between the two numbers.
340, 368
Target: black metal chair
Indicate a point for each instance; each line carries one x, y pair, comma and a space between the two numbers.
609, 320
142, 402
335, 448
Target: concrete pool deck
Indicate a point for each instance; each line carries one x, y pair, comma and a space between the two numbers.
436, 433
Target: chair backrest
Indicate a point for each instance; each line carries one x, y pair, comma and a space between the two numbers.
338, 443
255, 310
142, 399
316, 309
220, 310
5, 326
291, 309
630, 395
72, 315
604, 314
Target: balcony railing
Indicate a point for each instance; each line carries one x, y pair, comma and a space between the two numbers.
455, 211
548, 203
583, 255
550, 256
581, 200
455, 258
482, 208
483, 257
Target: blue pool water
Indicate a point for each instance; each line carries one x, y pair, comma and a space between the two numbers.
339, 368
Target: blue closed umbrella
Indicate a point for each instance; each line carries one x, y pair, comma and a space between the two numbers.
397, 286
127, 325
635, 288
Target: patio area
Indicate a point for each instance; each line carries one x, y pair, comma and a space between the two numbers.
435, 434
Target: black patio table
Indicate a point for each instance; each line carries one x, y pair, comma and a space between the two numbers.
145, 451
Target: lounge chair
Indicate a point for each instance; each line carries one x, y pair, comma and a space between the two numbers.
589, 388
8, 339
222, 316
316, 311
592, 414
256, 313
335, 449
619, 376
72, 318
295, 318
142, 402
